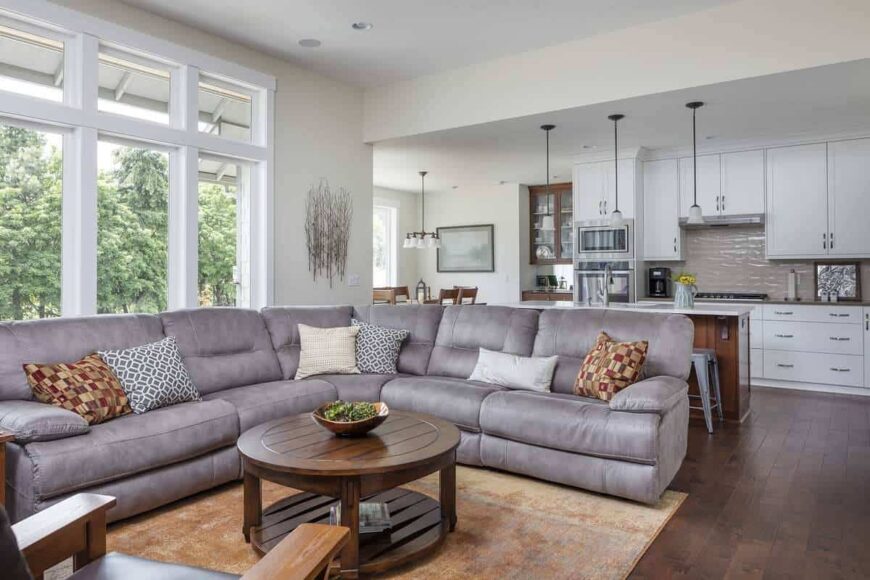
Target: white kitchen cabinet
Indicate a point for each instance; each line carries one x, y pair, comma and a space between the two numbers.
595, 189
742, 190
849, 198
709, 182
823, 337
590, 184
662, 236
756, 363
819, 368
812, 313
797, 201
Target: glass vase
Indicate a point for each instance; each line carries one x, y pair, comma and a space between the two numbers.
684, 295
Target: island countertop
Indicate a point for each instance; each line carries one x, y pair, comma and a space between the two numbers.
736, 310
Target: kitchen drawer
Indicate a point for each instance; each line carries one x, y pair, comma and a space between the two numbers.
756, 333
756, 363
756, 313
821, 337
805, 313
810, 367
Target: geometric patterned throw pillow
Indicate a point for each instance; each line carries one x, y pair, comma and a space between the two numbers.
87, 387
610, 367
377, 348
153, 375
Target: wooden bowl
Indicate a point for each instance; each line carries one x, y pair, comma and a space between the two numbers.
351, 428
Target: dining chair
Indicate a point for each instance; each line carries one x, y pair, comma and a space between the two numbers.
467, 294
446, 296
383, 295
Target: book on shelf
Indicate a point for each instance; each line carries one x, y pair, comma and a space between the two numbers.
374, 517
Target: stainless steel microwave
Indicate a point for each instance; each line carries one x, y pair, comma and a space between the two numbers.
600, 241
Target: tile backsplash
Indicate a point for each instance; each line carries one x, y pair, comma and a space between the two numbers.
732, 259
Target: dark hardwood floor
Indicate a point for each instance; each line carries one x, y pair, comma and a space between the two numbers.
784, 495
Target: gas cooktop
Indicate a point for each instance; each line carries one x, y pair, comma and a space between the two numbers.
736, 296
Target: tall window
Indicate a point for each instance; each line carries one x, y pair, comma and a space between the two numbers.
30, 223
224, 247
384, 246
135, 174
132, 206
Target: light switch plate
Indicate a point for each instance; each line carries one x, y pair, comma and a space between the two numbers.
353, 279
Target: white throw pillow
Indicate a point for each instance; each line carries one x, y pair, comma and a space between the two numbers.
516, 372
327, 351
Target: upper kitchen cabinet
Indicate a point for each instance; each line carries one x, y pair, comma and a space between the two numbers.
709, 182
797, 201
662, 236
742, 190
554, 246
728, 184
595, 189
849, 198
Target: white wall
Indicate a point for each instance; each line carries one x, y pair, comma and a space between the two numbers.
473, 205
408, 220
318, 133
742, 39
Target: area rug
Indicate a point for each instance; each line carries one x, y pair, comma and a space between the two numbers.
509, 527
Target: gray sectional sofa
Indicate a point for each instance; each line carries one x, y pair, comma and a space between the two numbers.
243, 361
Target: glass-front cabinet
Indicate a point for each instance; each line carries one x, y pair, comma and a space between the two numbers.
551, 221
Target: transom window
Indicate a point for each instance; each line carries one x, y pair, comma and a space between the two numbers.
133, 172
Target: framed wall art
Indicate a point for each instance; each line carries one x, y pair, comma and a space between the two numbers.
467, 249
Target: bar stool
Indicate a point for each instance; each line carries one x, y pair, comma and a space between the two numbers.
707, 371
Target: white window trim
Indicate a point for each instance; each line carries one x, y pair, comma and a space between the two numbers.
392, 238
83, 125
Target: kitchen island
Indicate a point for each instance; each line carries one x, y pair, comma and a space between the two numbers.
721, 327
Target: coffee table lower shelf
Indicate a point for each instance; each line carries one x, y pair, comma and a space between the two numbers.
418, 526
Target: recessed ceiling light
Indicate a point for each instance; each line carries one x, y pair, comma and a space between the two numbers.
309, 43
362, 25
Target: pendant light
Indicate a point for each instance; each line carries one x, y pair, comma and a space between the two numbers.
422, 239
547, 222
695, 214
616, 220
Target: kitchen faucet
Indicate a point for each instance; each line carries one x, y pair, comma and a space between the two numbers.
604, 294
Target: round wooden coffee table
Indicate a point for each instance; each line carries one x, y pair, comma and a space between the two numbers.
300, 454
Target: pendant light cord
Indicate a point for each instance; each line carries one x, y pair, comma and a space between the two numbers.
694, 157
616, 162
548, 172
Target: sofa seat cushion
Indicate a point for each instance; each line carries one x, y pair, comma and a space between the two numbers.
131, 444
363, 387
455, 400
571, 423
256, 404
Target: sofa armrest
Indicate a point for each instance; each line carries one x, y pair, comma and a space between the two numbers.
653, 395
74, 527
34, 421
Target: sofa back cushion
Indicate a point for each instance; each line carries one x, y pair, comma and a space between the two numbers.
570, 334
421, 320
223, 347
54, 340
464, 330
282, 323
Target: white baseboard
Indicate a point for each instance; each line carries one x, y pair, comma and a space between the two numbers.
757, 382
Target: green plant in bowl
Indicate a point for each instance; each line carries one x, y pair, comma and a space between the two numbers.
345, 412
350, 419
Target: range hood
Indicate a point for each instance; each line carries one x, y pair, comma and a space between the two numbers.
718, 221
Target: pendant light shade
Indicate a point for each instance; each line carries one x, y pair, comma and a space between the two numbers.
422, 239
616, 219
547, 222
696, 215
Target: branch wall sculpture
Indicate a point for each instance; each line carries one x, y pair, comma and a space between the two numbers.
328, 216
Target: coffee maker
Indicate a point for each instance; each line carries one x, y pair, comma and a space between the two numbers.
659, 283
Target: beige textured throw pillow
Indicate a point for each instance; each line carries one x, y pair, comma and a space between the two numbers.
327, 351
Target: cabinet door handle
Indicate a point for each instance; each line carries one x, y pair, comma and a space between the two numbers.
838, 370
717, 203
840, 338
824, 241
832, 240
784, 335
723, 203
839, 314
784, 366
675, 245
783, 312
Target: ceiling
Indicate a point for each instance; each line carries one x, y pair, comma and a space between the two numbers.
410, 38
826, 100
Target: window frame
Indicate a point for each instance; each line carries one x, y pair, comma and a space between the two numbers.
392, 235
83, 124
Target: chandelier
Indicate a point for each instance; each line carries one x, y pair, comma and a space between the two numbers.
422, 239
